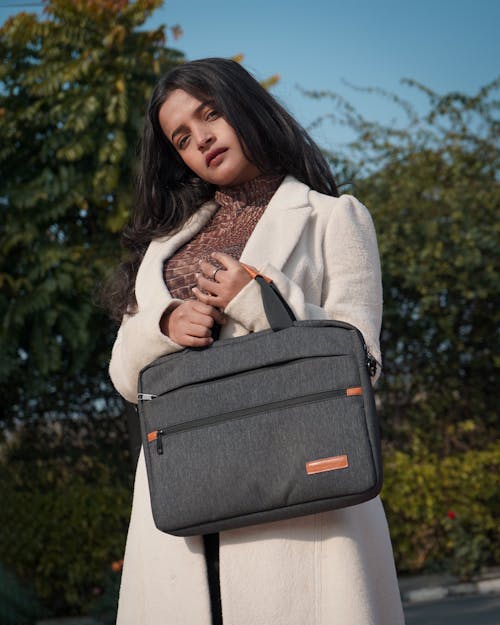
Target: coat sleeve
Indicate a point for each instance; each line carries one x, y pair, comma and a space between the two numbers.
351, 290
140, 341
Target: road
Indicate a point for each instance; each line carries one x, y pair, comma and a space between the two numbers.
473, 610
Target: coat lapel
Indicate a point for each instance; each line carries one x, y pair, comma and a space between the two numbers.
280, 227
150, 272
272, 240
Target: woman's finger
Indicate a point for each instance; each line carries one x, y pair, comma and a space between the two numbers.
200, 307
212, 288
204, 314
225, 260
198, 330
200, 319
210, 271
206, 298
212, 308
218, 316
193, 341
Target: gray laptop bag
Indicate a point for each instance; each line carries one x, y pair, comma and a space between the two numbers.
267, 426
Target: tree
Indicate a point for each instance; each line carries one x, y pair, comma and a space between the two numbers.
433, 187
73, 90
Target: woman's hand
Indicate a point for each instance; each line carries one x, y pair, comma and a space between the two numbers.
220, 285
190, 323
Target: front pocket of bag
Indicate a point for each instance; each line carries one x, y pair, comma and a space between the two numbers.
294, 379
241, 463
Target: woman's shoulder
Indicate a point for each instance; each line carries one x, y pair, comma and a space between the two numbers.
344, 203
300, 192
344, 208
327, 210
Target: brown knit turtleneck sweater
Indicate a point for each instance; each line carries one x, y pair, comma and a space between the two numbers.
240, 208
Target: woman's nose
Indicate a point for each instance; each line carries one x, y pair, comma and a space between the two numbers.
205, 140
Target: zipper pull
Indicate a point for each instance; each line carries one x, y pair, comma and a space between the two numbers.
159, 443
371, 363
145, 397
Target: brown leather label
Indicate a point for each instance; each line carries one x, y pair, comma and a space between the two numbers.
354, 390
327, 464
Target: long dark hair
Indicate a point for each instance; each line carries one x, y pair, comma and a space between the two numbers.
169, 192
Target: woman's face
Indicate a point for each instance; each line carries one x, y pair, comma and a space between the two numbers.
207, 144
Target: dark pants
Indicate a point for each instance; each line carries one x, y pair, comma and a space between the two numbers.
211, 544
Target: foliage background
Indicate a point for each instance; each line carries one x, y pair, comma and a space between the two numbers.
74, 84
433, 187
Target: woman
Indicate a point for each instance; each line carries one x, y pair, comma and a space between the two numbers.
228, 177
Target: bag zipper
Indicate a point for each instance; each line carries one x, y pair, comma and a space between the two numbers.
146, 396
371, 365
186, 387
246, 412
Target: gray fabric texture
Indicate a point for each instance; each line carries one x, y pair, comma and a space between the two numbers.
247, 415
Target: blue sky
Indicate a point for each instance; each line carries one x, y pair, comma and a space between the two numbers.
445, 44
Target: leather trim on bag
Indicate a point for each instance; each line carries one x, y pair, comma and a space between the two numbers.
327, 464
253, 274
354, 390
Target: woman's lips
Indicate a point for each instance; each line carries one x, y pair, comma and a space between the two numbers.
212, 157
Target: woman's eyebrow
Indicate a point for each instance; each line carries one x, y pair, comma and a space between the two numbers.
183, 127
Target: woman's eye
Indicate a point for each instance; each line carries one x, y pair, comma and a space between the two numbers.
182, 142
212, 114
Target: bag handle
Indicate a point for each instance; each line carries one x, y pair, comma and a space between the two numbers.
278, 312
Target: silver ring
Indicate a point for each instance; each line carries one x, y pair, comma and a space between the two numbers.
214, 273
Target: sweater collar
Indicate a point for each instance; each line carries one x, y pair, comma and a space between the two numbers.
254, 193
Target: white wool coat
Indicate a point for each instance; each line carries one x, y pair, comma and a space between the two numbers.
323, 569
